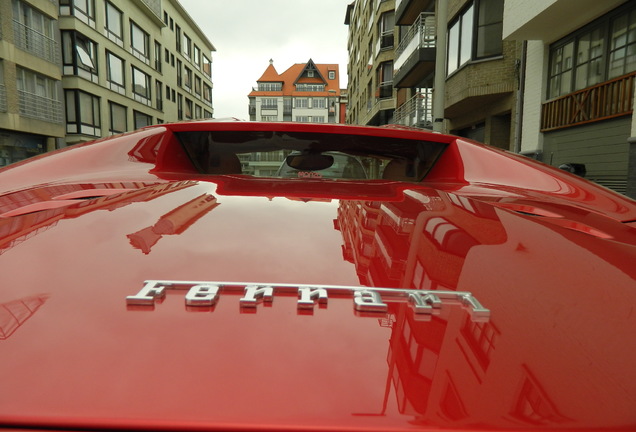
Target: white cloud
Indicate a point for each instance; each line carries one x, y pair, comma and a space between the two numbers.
247, 37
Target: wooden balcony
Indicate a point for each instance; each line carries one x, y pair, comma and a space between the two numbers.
603, 101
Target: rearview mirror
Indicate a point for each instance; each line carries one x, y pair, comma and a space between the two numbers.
309, 162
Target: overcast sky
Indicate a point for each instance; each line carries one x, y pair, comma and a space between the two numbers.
248, 33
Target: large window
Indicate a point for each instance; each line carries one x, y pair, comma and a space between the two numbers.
384, 78
84, 10
476, 33
82, 113
141, 86
141, 119
187, 45
623, 44
386, 25
207, 66
139, 43
114, 24
603, 50
118, 121
115, 73
79, 55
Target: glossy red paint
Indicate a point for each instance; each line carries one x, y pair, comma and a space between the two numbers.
546, 253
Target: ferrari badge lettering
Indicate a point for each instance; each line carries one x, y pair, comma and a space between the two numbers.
369, 300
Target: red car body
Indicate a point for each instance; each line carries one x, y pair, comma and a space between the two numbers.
497, 293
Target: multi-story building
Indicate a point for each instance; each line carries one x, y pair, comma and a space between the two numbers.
131, 63
31, 97
306, 92
579, 85
371, 43
86, 69
396, 64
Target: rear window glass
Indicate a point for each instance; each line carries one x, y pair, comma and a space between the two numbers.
303, 155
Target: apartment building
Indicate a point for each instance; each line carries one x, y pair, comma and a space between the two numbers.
579, 85
371, 45
396, 61
305, 92
88, 69
31, 97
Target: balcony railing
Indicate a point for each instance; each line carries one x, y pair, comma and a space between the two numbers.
385, 42
40, 107
3, 98
385, 90
610, 99
417, 111
35, 42
420, 35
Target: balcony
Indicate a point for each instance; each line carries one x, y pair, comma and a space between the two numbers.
417, 111
35, 43
407, 11
415, 56
600, 102
3, 98
40, 107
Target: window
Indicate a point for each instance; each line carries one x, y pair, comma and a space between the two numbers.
187, 46
384, 79
269, 118
319, 103
118, 121
207, 66
196, 57
207, 93
157, 56
79, 55
302, 103
589, 59
141, 86
84, 10
270, 86
332, 75
188, 78
159, 95
197, 86
177, 31
179, 74
310, 87
198, 112
603, 50
489, 28
622, 58
460, 37
386, 25
179, 106
115, 73
269, 103
139, 43
141, 119
476, 33
114, 24
302, 119
188, 109
82, 113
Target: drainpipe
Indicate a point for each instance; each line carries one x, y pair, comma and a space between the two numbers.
439, 86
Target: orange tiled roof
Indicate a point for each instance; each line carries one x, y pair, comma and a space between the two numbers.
292, 75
